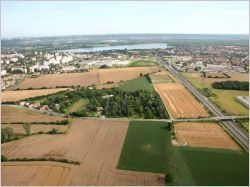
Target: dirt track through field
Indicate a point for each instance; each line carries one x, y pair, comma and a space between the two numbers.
95, 144
97, 77
14, 114
204, 135
24, 94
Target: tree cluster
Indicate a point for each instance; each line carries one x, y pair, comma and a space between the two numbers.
119, 103
231, 85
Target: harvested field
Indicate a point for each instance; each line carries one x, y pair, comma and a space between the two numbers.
65, 79
95, 144
36, 173
179, 102
204, 135
97, 77
35, 128
118, 74
23, 94
18, 114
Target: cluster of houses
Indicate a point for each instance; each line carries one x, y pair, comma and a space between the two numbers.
187, 65
8, 58
36, 106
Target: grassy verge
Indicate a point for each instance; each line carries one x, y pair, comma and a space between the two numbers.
78, 106
147, 147
141, 83
224, 99
210, 167
143, 63
244, 123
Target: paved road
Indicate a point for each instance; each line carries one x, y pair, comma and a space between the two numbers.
224, 118
235, 131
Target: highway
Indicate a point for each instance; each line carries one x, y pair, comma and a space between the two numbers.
233, 129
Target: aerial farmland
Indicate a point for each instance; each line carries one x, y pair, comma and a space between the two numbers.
95, 77
141, 123
179, 102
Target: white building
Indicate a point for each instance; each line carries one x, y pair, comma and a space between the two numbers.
66, 59
51, 61
68, 68
43, 67
14, 59
20, 55
3, 72
215, 68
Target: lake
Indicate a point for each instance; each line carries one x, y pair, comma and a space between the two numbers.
119, 47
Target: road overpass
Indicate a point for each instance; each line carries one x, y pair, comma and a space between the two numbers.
230, 126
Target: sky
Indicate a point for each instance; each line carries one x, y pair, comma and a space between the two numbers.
58, 18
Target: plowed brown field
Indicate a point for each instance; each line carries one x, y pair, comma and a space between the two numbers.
204, 135
17, 114
97, 77
23, 94
95, 144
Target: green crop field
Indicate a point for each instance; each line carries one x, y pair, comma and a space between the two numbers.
209, 167
225, 99
78, 105
141, 83
143, 63
147, 147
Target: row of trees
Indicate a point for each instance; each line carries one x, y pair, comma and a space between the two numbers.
231, 85
7, 133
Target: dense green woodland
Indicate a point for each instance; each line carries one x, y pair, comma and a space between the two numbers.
137, 104
231, 85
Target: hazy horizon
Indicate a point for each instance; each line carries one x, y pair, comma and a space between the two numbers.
60, 18
82, 35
